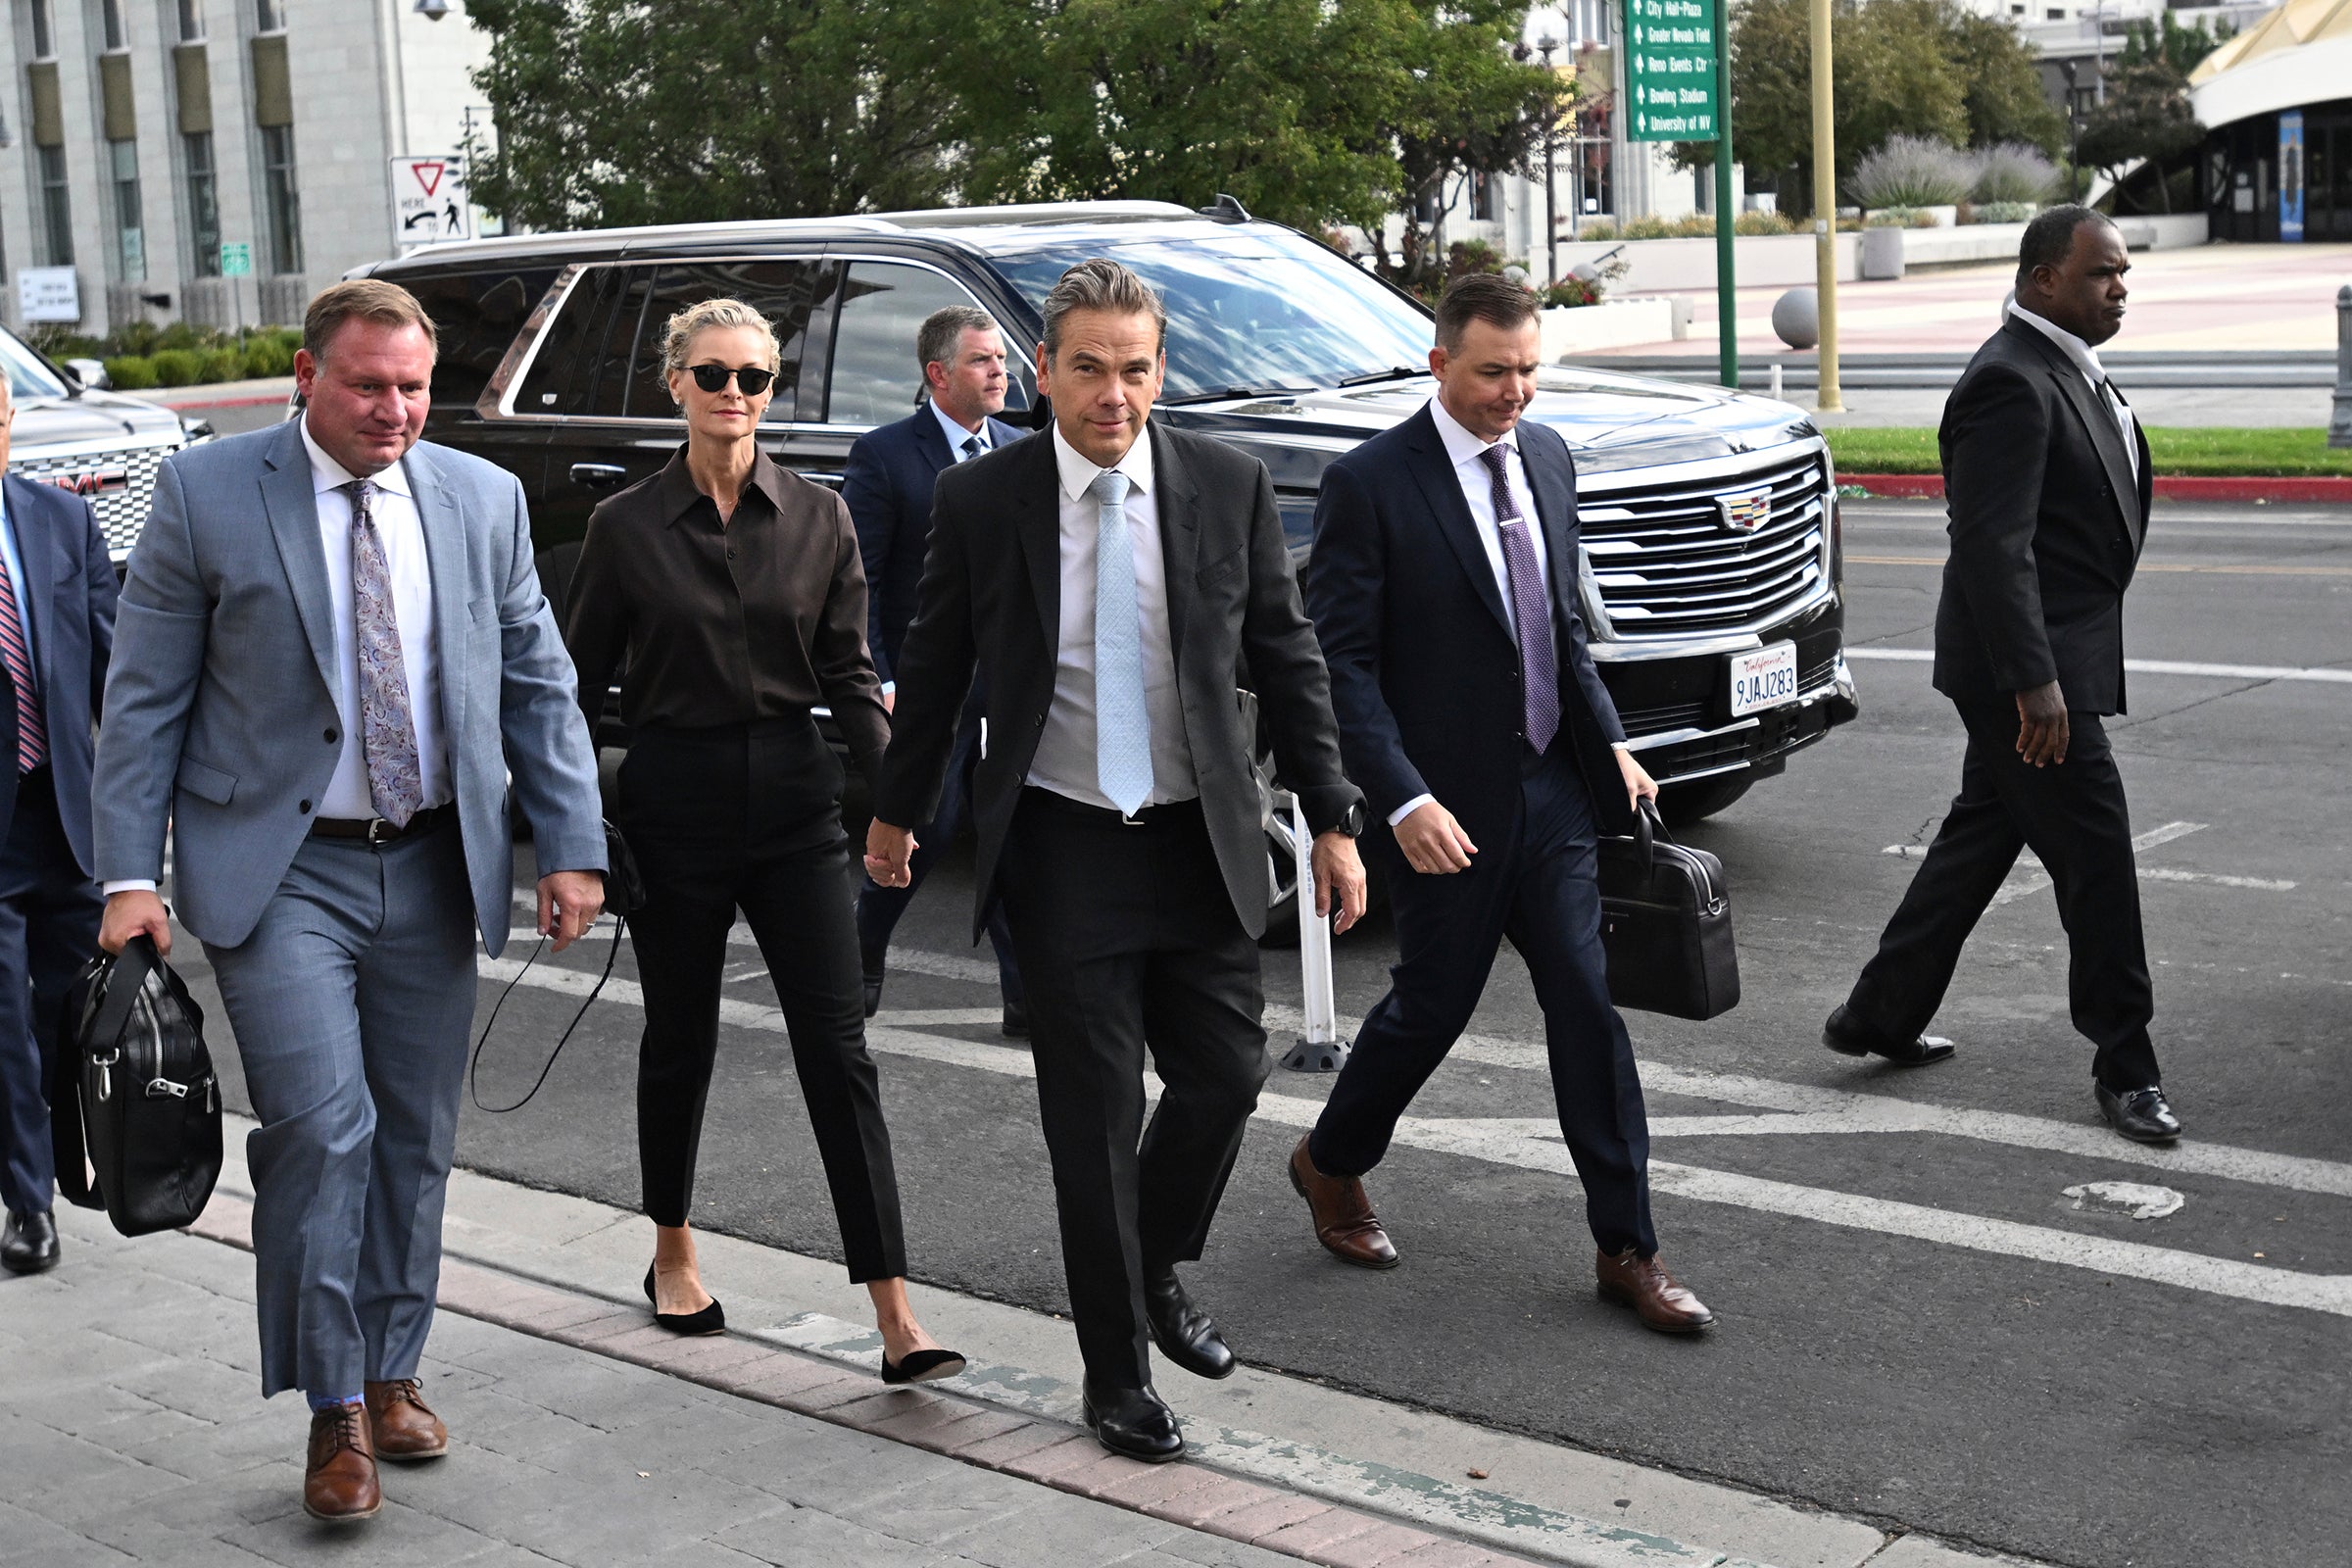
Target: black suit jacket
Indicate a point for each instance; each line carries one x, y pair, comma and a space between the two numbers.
2046, 525
68, 597
991, 604
887, 483
1425, 671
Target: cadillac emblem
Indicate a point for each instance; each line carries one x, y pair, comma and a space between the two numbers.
1745, 511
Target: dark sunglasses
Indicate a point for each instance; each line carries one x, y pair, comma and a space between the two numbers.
714, 378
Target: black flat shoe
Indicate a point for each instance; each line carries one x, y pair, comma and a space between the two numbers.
1848, 1036
2139, 1114
711, 1319
1185, 1334
1134, 1422
873, 995
1016, 1021
28, 1243
923, 1366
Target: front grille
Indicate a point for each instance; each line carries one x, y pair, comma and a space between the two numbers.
120, 484
1669, 562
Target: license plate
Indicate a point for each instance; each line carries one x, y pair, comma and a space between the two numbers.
1765, 678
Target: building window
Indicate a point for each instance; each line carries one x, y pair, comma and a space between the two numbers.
269, 16
57, 207
1486, 197
191, 21
285, 200
114, 26
45, 36
123, 161
204, 202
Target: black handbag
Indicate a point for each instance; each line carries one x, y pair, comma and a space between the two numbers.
624, 896
1666, 924
137, 1094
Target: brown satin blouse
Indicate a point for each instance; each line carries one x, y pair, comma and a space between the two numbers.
760, 617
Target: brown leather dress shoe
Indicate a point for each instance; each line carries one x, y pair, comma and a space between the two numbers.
1343, 1219
403, 1425
339, 1482
1642, 1283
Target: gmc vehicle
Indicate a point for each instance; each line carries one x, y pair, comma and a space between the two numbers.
1710, 577
90, 441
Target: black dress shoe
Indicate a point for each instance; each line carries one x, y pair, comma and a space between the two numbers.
873, 992
1016, 1021
1185, 1334
2139, 1114
28, 1243
1850, 1036
1135, 1422
711, 1319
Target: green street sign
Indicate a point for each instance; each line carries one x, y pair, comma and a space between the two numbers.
236, 260
1670, 69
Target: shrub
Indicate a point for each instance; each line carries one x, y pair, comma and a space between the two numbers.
2005, 213
2011, 173
1569, 292
130, 372
178, 366
1466, 256
222, 364
266, 354
1762, 223
181, 335
1912, 172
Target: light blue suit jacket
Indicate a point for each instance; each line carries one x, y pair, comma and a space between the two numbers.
221, 715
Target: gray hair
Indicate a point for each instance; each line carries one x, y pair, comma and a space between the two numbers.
1102, 284
678, 337
941, 333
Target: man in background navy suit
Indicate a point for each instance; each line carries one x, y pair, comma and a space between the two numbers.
57, 628
887, 487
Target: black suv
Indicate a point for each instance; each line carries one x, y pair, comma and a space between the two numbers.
1711, 570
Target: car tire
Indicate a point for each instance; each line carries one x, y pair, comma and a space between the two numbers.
1685, 804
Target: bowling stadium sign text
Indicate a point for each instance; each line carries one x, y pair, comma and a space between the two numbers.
1670, 69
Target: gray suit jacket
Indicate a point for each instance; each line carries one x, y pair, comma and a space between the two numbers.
220, 716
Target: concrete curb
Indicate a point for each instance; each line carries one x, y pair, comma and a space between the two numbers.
221, 394
1047, 1452
2336, 489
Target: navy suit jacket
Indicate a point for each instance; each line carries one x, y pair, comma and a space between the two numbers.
1424, 667
68, 597
887, 483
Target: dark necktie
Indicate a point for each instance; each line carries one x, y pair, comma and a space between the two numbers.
32, 736
2120, 413
387, 727
971, 445
1541, 683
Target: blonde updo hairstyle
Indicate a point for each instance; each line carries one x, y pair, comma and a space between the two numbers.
678, 335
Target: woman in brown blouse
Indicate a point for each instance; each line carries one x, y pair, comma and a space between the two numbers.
733, 590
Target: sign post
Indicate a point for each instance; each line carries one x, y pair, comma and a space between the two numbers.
236, 260
1678, 70
428, 200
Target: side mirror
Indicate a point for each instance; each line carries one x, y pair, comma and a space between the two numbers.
89, 373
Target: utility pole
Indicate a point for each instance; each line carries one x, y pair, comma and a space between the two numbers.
1551, 196
1825, 210
1727, 291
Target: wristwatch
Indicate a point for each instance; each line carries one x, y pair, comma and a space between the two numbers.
1351, 821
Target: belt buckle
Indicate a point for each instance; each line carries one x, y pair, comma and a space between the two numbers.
380, 831
1135, 819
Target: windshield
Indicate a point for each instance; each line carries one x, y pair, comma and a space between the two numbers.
1255, 308
27, 376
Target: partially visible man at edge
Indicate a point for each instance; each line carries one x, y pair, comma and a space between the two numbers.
331, 650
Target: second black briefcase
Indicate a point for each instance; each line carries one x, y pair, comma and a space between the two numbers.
1666, 924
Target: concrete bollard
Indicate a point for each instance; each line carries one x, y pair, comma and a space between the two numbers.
2339, 427
1796, 318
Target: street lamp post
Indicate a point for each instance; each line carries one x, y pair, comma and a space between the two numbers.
1552, 197
1825, 211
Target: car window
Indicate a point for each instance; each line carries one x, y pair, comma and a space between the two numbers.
548, 385
876, 378
27, 376
787, 292
1255, 308
476, 317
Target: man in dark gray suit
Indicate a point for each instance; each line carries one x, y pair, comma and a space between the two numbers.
1104, 583
2047, 473
332, 656
57, 623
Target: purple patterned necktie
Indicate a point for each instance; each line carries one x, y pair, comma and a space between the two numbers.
387, 727
32, 736
1541, 684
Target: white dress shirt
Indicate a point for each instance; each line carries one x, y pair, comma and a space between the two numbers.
403, 533
1065, 760
2086, 359
957, 435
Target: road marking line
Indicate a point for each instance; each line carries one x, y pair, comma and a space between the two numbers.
2037, 879
2165, 566
2145, 666
1534, 1143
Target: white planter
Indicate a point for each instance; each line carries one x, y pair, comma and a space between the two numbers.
1569, 330
1945, 217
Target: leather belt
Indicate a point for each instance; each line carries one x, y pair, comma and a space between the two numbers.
1145, 817
375, 830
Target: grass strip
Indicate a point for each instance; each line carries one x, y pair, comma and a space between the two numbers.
1911, 449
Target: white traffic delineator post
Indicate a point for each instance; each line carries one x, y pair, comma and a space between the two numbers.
1320, 1048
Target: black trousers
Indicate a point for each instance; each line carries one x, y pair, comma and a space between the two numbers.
748, 817
2074, 815
49, 911
879, 907
1128, 940
1540, 887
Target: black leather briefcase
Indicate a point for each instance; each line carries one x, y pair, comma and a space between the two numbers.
1666, 923
137, 1090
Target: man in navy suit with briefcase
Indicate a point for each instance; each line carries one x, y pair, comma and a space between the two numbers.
57, 627
887, 486
1443, 588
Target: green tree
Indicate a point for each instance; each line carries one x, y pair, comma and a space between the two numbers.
2181, 48
2146, 117
613, 112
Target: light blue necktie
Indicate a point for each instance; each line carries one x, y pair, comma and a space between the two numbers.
1122, 727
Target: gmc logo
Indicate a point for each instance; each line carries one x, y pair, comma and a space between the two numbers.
92, 481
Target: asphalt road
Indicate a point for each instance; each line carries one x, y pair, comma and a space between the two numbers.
1917, 1324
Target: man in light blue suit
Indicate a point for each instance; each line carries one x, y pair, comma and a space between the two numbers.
331, 657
